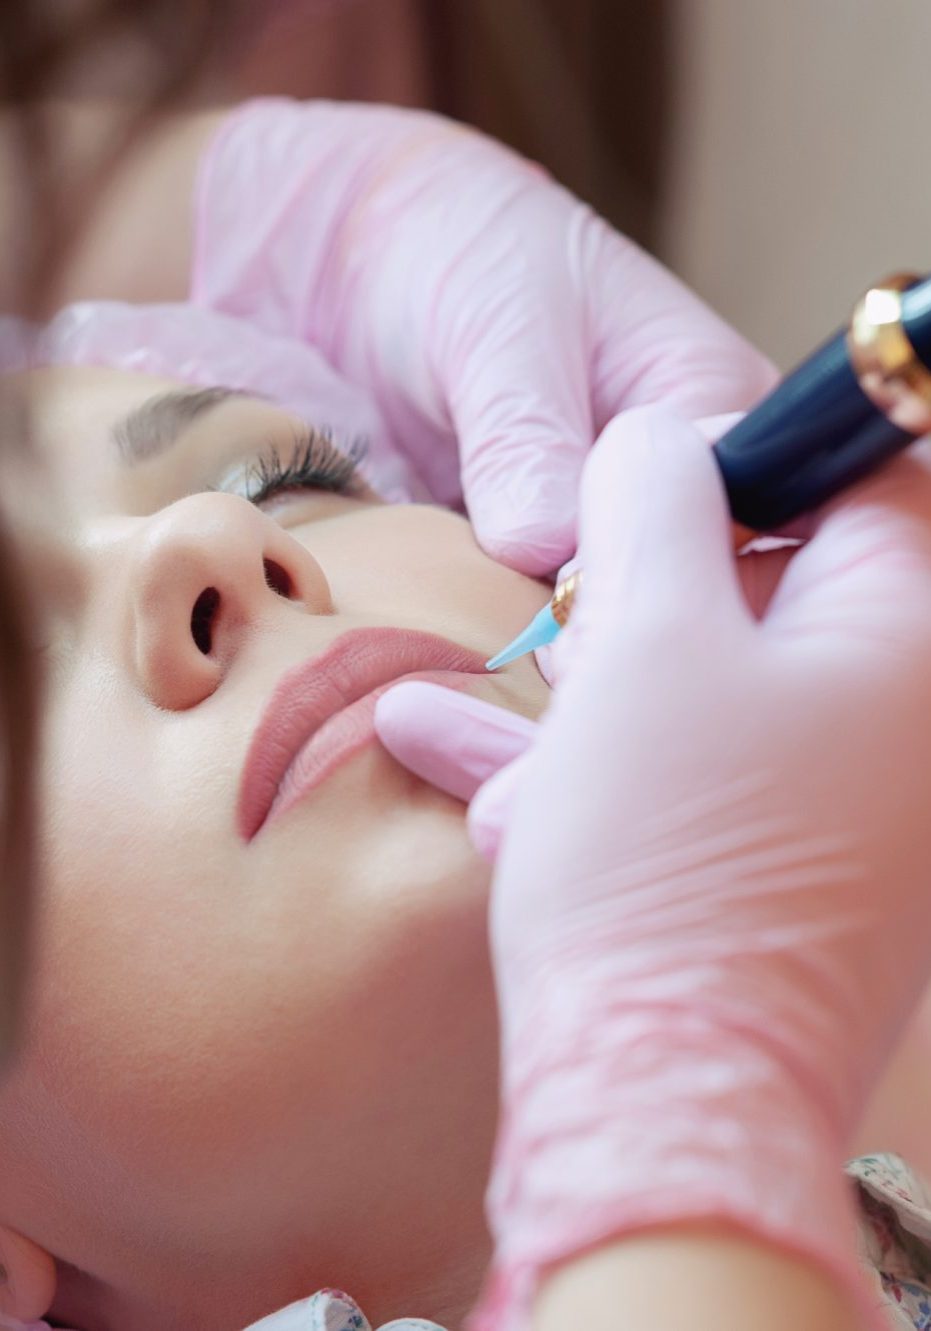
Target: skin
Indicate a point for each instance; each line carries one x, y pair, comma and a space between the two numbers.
705, 1277
250, 1070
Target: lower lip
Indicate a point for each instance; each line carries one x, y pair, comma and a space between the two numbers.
340, 738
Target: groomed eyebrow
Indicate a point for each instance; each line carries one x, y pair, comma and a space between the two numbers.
152, 428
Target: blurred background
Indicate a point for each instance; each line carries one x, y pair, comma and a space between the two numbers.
770, 153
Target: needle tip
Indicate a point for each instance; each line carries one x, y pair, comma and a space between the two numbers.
541, 630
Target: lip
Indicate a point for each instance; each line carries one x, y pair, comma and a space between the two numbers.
322, 712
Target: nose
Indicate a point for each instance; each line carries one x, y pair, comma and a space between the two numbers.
202, 575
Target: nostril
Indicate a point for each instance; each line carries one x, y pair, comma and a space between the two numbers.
277, 578
205, 607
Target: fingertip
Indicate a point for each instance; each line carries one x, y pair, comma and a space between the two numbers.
631, 440
523, 501
419, 707
408, 718
448, 737
396, 708
654, 517
413, 725
619, 491
528, 544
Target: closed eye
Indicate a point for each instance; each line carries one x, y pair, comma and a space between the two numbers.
315, 463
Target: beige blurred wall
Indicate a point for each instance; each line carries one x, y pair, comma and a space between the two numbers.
799, 164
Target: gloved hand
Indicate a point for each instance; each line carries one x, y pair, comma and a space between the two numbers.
709, 912
476, 299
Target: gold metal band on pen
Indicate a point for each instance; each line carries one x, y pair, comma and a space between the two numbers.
563, 597
887, 368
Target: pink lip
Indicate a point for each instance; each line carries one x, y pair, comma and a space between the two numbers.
322, 712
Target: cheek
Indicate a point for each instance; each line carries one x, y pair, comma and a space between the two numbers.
378, 901
439, 557
186, 987
421, 566
136, 930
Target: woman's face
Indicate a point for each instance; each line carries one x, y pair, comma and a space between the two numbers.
262, 1051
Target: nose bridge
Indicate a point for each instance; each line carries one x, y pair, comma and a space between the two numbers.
200, 576
207, 539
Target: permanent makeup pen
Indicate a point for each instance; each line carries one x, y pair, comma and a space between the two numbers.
855, 402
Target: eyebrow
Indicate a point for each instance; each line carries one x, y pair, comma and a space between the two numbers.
152, 428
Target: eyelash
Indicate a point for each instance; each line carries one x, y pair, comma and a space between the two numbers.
316, 464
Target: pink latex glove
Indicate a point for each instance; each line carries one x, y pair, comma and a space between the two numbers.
477, 300
710, 911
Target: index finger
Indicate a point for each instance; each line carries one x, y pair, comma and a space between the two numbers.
655, 340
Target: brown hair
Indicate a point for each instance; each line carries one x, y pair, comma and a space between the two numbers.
41, 42
18, 724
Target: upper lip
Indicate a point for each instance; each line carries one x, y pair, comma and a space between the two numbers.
307, 694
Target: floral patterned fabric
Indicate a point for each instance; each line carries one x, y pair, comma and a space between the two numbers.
331, 1310
895, 1232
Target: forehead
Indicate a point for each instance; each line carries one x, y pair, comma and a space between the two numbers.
72, 411
73, 414
73, 408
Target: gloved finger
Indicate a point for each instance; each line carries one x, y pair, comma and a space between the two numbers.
656, 540
524, 385
452, 740
657, 341
489, 810
521, 408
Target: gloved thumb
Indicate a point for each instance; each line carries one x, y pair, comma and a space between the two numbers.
656, 539
454, 741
